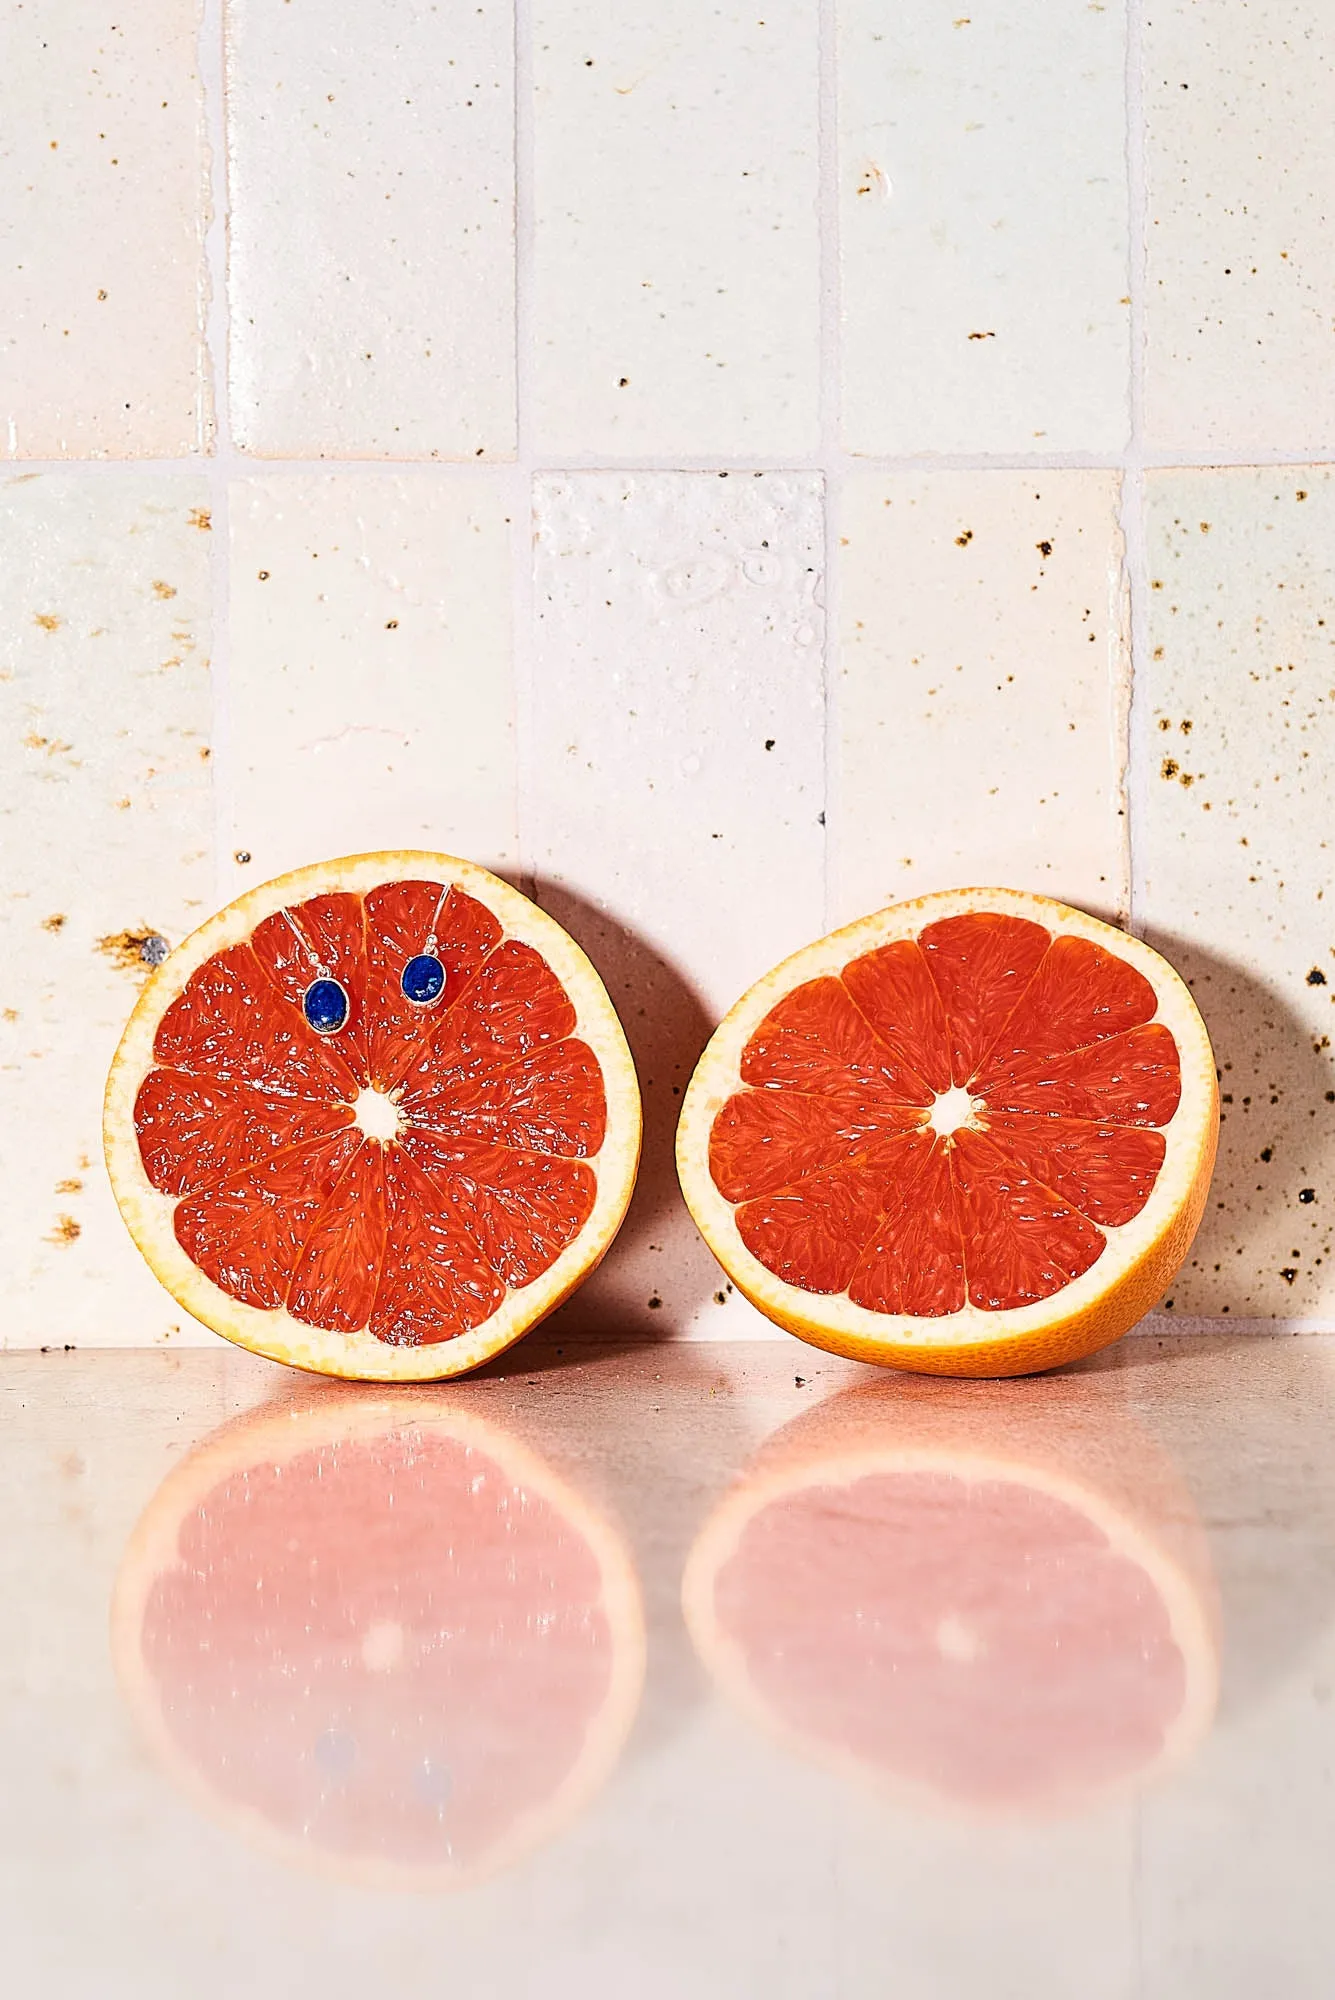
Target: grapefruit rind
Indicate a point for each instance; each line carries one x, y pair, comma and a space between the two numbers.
1096, 1308
359, 1356
277, 1437
1189, 1615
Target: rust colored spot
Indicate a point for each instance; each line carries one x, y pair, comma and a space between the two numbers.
989, 335
56, 922
66, 1230
48, 621
963, 541
164, 590
127, 949
1169, 768
200, 517
1044, 548
69, 1187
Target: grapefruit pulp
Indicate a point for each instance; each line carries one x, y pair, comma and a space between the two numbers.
972, 1135
384, 1640
998, 1603
401, 1196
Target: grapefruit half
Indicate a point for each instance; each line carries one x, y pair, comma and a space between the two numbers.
404, 1194
382, 1639
982, 1600
971, 1135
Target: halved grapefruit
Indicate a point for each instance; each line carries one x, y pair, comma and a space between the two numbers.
376, 1118
995, 1602
971, 1135
381, 1639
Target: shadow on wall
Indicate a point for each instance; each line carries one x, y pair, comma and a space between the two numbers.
658, 1276
1265, 1244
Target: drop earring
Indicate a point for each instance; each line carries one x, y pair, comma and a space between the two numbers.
423, 978
324, 1004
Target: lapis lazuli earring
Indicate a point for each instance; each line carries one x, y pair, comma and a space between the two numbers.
423, 979
325, 1002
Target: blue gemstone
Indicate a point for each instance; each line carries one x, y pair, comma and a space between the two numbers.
325, 1005
423, 980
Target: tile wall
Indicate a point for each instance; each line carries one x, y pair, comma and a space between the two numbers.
721, 467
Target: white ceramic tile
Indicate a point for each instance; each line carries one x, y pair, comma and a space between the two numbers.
372, 229
102, 218
106, 828
1233, 845
983, 226
675, 302
674, 802
372, 688
1240, 152
981, 686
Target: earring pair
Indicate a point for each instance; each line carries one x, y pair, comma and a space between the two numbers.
325, 1004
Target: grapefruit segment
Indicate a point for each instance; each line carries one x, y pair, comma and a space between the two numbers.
997, 1610
817, 1039
334, 1283
247, 1233
981, 960
1135, 1078
914, 1261
398, 1198
437, 1281
193, 1131
225, 1024
387, 1642
971, 1134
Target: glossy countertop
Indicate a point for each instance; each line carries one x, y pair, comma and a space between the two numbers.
695, 1670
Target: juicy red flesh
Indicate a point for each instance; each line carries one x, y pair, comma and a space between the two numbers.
249, 1118
841, 1185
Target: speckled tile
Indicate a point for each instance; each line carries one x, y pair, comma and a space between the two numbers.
983, 227
674, 799
1240, 154
372, 229
676, 255
1233, 845
371, 684
106, 811
102, 219
981, 688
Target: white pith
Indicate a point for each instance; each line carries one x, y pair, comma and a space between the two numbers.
953, 1109
852, 1328
377, 1115
148, 1214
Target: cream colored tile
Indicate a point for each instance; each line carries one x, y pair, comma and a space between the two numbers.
981, 686
106, 813
1233, 847
676, 256
372, 229
983, 220
674, 803
1239, 159
102, 221
371, 686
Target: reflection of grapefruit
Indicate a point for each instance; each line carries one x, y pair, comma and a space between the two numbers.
985, 1600
376, 1118
382, 1638
971, 1135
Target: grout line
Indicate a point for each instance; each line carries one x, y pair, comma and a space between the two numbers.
832, 465
837, 461
218, 465
523, 612
1136, 553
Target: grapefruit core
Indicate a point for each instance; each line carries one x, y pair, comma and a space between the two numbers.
971, 1135
406, 1195
384, 1640
981, 1600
